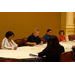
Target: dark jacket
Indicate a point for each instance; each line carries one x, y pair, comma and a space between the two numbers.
52, 53
33, 39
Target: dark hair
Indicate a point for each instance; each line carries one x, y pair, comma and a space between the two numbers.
62, 31
49, 30
9, 33
53, 45
53, 41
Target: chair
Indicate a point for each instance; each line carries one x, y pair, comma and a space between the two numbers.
24, 41
66, 56
71, 37
0, 47
43, 40
9, 60
19, 42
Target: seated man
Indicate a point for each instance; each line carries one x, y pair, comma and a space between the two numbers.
34, 39
47, 35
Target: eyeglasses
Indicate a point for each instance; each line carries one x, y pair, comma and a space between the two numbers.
50, 32
12, 36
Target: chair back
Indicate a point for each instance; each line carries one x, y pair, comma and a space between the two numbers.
9, 60
43, 40
66, 56
24, 41
71, 37
19, 42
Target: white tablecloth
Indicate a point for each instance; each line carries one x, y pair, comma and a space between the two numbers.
23, 52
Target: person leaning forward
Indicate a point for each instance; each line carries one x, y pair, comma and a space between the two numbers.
34, 39
8, 42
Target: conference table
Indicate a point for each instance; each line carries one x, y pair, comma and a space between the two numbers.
22, 53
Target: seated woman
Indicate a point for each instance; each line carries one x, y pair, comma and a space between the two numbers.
53, 50
8, 43
61, 36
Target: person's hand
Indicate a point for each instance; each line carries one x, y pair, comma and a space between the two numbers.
34, 44
41, 43
64, 41
73, 46
46, 43
15, 48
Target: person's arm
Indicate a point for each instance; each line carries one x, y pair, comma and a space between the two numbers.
45, 39
30, 43
46, 42
63, 50
5, 45
64, 38
14, 43
40, 41
59, 39
44, 52
73, 48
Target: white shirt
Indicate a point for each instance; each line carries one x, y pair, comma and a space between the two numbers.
8, 44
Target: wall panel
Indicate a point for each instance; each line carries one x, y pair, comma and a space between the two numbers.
24, 23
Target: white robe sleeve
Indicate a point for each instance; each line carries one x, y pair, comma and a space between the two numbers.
14, 43
5, 45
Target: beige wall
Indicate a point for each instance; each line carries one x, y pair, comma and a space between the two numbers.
23, 23
67, 23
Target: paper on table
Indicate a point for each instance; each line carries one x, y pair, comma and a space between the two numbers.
44, 44
68, 47
67, 40
74, 40
35, 47
36, 54
18, 48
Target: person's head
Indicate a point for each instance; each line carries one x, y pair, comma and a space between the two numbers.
9, 35
36, 32
61, 33
53, 41
54, 46
49, 31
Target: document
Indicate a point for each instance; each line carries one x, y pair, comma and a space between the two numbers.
68, 47
18, 48
44, 44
